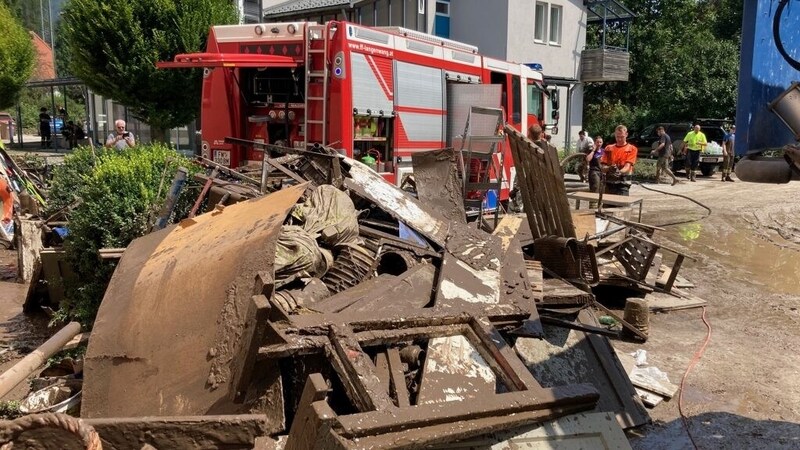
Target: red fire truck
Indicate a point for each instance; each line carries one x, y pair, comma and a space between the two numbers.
382, 92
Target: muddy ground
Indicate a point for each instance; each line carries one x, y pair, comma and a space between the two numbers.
744, 393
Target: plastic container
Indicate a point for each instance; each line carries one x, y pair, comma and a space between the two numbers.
369, 161
490, 200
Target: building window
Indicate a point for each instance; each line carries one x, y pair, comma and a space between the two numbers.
441, 21
540, 22
421, 6
555, 24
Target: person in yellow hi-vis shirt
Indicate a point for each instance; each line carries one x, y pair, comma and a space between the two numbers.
695, 141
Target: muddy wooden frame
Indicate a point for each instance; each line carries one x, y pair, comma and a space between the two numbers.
317, 426
386, 420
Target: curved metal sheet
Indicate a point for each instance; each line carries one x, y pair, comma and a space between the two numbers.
169, 325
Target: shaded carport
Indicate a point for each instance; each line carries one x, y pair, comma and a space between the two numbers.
50, 84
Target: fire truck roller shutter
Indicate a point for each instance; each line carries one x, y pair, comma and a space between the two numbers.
420, 103
372, 84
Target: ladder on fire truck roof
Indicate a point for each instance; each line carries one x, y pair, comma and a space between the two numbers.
481, 162
315, 74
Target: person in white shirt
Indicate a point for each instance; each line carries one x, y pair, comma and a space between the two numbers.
121, 139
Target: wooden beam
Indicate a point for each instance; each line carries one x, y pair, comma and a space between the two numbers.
357, 372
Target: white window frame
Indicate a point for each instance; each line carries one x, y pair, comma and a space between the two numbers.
555, 27
540, 7
420, 6
443, 14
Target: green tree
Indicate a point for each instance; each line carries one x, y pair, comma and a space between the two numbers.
113, 46
684, 62
29, 13
16, 57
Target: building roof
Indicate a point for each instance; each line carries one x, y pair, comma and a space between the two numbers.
45, 70
298, 6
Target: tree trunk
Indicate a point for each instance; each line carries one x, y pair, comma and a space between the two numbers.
159, 135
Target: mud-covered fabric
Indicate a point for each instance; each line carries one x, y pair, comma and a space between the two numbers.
330, 210
297, 254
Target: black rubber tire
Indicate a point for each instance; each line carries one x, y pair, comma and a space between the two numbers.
707, 170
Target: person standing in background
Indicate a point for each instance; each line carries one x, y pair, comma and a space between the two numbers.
695, 142
728, 154
664, 154
583, 146
592, 161
44, 127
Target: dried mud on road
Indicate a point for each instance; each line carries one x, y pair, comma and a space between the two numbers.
744, 392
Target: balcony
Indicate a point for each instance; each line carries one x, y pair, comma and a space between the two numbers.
610, 60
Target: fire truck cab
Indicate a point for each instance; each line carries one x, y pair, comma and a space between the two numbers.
382, 92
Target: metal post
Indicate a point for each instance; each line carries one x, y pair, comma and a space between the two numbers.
53, 119
19, 125
21, 370
52, 35
568, 126
41, 17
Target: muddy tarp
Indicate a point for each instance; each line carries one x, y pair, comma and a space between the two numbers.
330, 213
298, 254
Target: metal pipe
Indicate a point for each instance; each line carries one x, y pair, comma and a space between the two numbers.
172, 197
21, 370
203, 193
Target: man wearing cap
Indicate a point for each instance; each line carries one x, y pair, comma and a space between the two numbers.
728, 154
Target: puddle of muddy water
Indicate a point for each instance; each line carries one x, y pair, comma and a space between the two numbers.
768, 263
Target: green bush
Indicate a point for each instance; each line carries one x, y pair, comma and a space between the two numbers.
69, 177
120, 196
645, 170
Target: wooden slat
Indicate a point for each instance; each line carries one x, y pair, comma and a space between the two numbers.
542, 186
382, 370
398, 378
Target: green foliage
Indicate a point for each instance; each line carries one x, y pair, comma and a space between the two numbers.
645, 170
9, 410
113, 46
74, 353
602, 117
120, 190
684, 64
16, 57
71, 176
32, 99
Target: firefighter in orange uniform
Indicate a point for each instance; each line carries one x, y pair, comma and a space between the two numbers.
617, 163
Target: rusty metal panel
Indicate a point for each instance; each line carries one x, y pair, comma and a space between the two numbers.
169, 326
